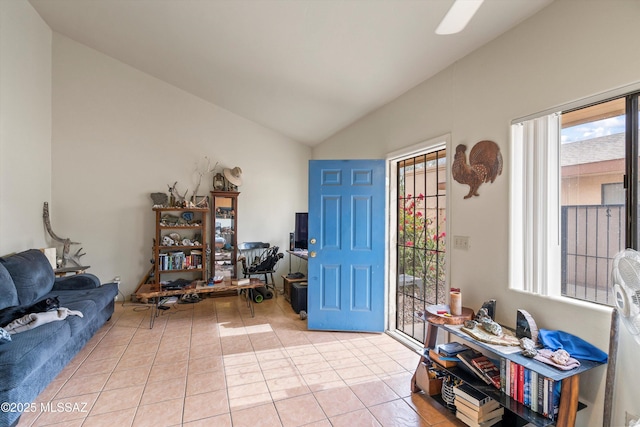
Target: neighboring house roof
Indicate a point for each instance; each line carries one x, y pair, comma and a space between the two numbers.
610, 147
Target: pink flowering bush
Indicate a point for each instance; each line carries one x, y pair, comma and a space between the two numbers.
421, 247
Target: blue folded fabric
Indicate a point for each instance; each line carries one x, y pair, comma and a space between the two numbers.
575, 346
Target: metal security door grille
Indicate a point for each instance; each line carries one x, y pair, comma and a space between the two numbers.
420, 250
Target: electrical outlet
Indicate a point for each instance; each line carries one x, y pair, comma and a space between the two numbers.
461, 242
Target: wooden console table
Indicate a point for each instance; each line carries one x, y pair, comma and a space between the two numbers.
432, 322
154, 292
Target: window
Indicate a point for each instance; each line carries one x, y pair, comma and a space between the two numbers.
613, 193
574, 184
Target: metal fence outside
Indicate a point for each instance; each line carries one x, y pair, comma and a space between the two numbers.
592, 235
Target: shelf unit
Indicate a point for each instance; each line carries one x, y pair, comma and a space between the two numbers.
224, 231
190, 224
569, 404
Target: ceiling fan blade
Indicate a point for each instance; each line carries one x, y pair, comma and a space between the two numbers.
458, 16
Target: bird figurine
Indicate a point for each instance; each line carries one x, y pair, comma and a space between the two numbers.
485, 164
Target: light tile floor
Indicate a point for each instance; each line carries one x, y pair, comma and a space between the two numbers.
212, 364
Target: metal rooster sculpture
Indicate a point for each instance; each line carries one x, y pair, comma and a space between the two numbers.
485, 164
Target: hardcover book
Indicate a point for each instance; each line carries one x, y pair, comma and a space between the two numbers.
447, 362
466, 357
452, 348
479, 411
477, 416
488, 369
471, 394
468, 421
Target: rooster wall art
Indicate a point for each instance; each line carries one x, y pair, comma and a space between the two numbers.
485, 164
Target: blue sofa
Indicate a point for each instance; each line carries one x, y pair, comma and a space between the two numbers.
35, 357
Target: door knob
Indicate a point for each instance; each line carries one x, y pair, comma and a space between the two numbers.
312, 254
312, 241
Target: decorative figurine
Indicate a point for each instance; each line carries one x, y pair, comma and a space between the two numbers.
176, 199
526, 326
490, 306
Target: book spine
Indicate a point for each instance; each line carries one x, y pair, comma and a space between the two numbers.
503, 367
527, 387
507, 379
540, 394
512, 379
520, 384
545, 398
534, 391
555, 399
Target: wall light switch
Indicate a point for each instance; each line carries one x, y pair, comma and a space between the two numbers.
461, 242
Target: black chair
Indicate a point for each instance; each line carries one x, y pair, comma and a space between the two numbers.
259, 259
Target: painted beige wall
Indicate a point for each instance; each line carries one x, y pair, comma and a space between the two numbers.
562, 54
120, 134
25, 126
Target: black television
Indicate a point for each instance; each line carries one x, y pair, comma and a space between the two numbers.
301, 232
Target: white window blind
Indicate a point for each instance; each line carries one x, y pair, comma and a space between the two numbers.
535, 208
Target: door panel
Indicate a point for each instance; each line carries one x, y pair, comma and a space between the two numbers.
346, 261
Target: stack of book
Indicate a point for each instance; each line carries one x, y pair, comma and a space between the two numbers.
480, 365
474, 408
445, 354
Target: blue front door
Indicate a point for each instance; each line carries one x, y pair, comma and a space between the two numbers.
346, 245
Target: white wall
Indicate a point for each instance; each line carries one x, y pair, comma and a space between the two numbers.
120, 134
568, 51
25, 126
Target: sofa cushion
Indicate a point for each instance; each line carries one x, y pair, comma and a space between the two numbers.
77, 281
31, 273
8, 292
87, 307
28, 351
101, 296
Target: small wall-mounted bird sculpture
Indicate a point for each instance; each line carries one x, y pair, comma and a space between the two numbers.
485, 164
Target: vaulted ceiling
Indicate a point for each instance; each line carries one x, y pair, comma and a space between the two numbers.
304, 68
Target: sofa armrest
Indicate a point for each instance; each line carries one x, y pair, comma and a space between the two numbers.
77, 281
